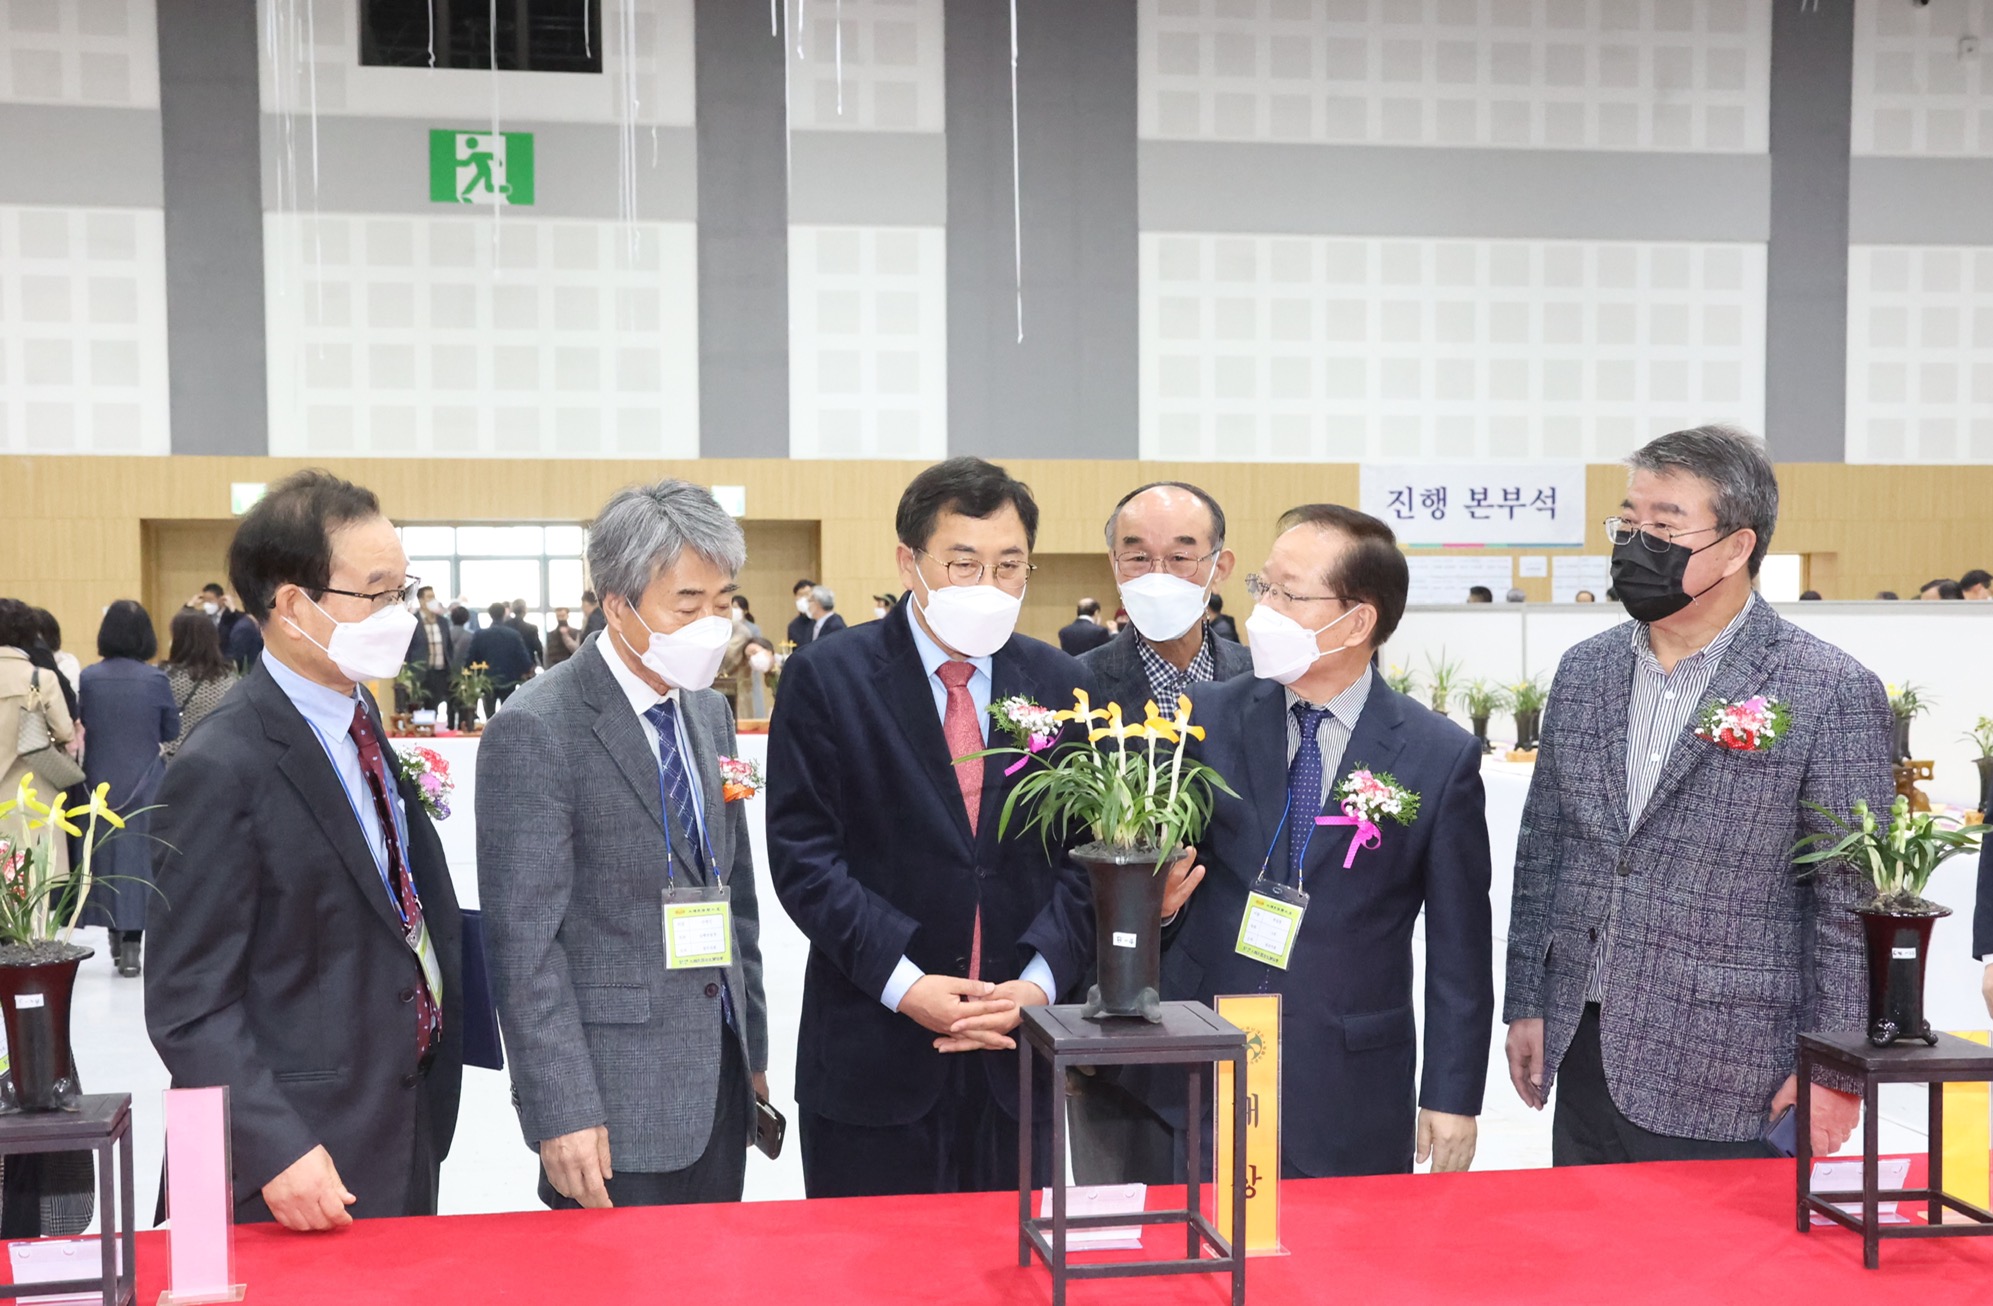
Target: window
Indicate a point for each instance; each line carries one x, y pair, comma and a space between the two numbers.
483, 565
543, 36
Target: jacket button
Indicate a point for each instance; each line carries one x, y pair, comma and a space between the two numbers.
962, 965
408, 995
408, 1080
712, 990
1626, 866
1592, 934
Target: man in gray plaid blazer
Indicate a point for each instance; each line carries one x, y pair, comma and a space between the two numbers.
1664, 953
600, 799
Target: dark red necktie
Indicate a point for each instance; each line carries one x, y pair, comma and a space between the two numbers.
374, 763
964, 733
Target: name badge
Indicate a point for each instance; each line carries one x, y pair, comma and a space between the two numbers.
698, 927
1272, 922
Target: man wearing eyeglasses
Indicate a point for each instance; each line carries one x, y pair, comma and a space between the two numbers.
927, 931
307, 942
1166, 546
1663, 952
1357, 1098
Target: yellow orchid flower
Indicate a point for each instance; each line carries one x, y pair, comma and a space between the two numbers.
100, 809
1117, 730
58, 818
1082, 711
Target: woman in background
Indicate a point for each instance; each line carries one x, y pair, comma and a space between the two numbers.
132, 713
196, 673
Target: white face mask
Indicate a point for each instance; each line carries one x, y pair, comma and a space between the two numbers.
1163, 606
211, 608
803, 606
1282, 648
436, 606
882, 613
687, 658
974, 620
762, 661
367, 650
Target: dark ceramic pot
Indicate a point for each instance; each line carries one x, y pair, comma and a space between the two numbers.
1901, 747
1985, 765
1481, 734
1527, 724
1898, 945
1128, 909
37, 982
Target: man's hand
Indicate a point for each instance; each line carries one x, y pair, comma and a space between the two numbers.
761, 1086
308, 1197
1525, 1049
1835, 1114
1184, 877
992, 1031
577, 1165
936, 1002
1447, 1140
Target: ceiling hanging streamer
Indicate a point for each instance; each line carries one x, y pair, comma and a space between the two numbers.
1016, 183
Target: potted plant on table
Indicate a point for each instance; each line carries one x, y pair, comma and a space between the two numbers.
1908, 702
468, 688
1981, 739
1442, 679
1402, 679
41, 900
1898, 859
1143, 802
1525, 702
1482, 699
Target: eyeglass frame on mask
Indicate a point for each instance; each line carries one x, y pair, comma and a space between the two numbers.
948, 566
1258, 589
1195, 564
380, 598
1653, 541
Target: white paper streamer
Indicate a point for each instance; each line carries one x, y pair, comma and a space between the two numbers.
839, 19
497, 143
429, 12
1016, 182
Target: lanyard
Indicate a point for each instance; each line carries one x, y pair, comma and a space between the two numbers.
698, 813
1280, 832
381, 861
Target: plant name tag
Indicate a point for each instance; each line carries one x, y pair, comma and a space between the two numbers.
1123, 939
1903, 954
27, 1002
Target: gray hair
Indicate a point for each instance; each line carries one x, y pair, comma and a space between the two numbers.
1734, 463
824, 598
644, 529
1211, 504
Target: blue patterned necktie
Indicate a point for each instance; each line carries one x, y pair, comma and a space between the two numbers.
1304, 785
675, 784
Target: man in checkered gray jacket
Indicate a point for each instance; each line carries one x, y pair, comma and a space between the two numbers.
1664, 952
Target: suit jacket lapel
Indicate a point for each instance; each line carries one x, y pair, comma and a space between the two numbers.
310, 771
705, 752
1612, 701
619, 731
1263, 740
1006, 681
1373, 745
1746, 667
905, 688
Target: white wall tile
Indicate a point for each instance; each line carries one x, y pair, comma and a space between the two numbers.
83, 331
1556, 74
887, 75
1264, 348
1914, 94
1920, 354
87, 52
868, 342
482, 337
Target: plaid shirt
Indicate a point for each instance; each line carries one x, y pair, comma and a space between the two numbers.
1165, 681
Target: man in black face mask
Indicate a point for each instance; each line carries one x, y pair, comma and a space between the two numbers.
1663, 955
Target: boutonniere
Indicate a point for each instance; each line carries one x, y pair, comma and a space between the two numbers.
430, 774
1032, 727
740, 779
1369, 798
1749, 725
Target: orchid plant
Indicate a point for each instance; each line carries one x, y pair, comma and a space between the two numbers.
1908, 701
1482, 699
1981, 737
1139, 793
40, 900
1442, 679
1898, 858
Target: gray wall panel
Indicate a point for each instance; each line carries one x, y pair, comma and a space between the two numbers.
883, 179
212, 197
743, 215
1069, 389
1806, 267
1894, 201
80, 156
1359, 190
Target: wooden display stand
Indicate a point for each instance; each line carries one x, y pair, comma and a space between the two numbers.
1907, 776
101, 1123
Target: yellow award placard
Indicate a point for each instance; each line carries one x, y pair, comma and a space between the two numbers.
1968, 1133
1258, 1014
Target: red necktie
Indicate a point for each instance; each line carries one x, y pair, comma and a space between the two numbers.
963, 729
429, 1020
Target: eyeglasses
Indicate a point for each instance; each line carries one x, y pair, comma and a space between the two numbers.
1010, 573
1183, 566
1621, 531
1261, 590
382, 598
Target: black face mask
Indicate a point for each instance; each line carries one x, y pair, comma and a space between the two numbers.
1649, 584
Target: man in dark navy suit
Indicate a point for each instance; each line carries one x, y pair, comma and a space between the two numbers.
1314, 711
927, 933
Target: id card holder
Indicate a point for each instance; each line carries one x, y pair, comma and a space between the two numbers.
698, 927
1272, 922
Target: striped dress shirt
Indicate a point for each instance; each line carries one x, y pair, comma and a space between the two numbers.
1661, 708
1332, 736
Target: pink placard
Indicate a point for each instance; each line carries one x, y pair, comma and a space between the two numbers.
199, 1198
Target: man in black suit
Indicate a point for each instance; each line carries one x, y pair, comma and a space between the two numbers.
821, 611
1287, 740
528, 632
503, 652
1221, 625
1085, 633
927, 933
1166, 545
430, 649
593, 619
306, 942
802, 626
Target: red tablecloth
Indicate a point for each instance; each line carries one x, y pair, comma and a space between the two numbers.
1675, 1234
